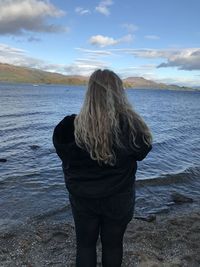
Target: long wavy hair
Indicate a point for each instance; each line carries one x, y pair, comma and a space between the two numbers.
98, 125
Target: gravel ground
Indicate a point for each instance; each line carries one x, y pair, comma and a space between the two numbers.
168, 241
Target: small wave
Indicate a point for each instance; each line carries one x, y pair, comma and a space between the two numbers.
50, 213
12, 179
165, 142
26, 127
188, 175
171, 141
21, 114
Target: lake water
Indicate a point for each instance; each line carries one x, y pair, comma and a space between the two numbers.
31, 181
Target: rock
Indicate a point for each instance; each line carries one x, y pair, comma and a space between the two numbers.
160, 210
3, 160
149, 218
34, 147
179, 198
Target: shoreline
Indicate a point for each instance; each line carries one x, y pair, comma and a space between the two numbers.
187, 89
171, 240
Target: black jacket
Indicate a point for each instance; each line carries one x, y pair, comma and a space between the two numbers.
84, 176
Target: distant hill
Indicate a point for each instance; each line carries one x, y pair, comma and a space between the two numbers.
139, 82
16, 74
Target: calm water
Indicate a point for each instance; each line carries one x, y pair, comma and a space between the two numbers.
31, 181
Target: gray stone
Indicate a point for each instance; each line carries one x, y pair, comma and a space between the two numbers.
179, 198
3, 160
34, 147
149, 218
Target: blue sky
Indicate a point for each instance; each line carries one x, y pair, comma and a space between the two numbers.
158, 40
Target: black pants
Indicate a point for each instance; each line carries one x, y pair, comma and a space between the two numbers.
107, 217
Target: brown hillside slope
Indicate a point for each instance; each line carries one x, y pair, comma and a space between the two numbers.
17, 74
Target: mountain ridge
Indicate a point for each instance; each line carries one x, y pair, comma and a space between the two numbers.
19, 74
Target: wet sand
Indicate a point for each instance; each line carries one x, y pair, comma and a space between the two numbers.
172, 240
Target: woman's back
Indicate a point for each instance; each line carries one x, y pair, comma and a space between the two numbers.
85, 176
99, 149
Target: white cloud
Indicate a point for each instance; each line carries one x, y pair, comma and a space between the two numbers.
130, 27
82, 11
187, 59
94, 53
147, 67
103, 7
104, 41
15, 56
148, 53
86, 61
19, 57
20, 16
84, 66
6, 50
183, 59
152, 37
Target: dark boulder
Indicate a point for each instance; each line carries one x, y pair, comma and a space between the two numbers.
3, 160
179, 198
34, 147
148, 218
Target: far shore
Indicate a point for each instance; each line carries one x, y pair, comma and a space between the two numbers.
38, 76
168, 88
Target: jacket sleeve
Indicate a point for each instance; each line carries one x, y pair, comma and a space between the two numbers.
63, 134
56, 141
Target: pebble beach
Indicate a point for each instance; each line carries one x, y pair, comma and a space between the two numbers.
168, 240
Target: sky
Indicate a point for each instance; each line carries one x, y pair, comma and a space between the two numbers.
155, 39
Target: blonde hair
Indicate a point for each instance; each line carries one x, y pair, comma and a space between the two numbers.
98, 125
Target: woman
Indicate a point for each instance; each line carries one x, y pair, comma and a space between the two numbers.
99, 149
